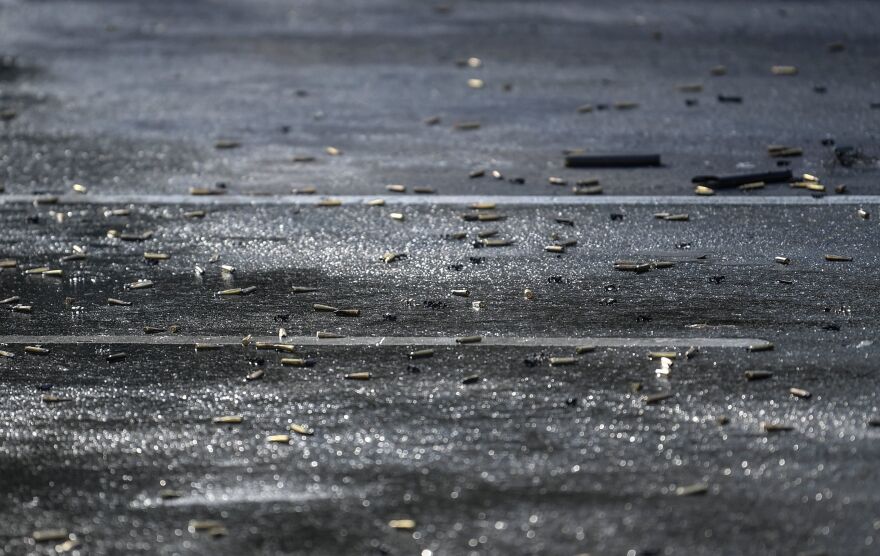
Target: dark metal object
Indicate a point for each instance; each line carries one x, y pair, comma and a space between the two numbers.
612, 160
742, 179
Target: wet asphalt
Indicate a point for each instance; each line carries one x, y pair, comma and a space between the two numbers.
108, 439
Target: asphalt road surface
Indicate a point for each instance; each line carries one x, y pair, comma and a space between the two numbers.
498, 355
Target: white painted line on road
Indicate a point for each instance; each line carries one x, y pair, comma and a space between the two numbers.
431, 200
382, 341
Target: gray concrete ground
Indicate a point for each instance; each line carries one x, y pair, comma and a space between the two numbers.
108, 443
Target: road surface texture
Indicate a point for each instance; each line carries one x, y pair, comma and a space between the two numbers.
498, 355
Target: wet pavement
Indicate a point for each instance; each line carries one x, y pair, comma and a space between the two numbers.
676, 374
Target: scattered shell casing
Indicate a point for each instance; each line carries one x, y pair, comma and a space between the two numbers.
775, 427
169, 494
228, 420
139, 285
461, 292
396, 188
358, 376
662, 354
321, 308
584, 349
554, 249
629, 266
690, 87
256, 375
329, 202
477, 305
483, 205
36, 350
22, 308
757, 375
838, 258
487, 233
202, 191
55, 272
294, 362
50, 535
8, 263
677, 217
421, 353
767, 346
376, 202
9, 300
287, 348
157, 256
4, 353
692, 490
322, 335
528, 294
347, 312
226, 144
278, 439
397, 216
153, 330
584, 108
475, 83
496, 242
587, 190
231, 291
490, 217
194, 214
473, 379
113, 357
657, 398
553, 180
703, 190
302, 289
469, 339
799, 393
247, 340
782, 260
37, 270
51, 398
783, 70
203, 525
751, 186
477, 173
466, 126
863, 214
390, 257
301, 429
73, 257
333, 151
559, 361
405, 524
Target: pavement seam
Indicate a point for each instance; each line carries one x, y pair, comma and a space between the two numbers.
386, 341
434, 200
